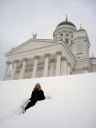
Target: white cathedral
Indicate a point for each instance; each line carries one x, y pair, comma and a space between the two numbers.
67, 53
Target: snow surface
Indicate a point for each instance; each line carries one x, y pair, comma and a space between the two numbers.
72, 103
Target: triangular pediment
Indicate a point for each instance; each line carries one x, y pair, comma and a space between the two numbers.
30, 45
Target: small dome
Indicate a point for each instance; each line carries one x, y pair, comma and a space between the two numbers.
81, 29
66, 23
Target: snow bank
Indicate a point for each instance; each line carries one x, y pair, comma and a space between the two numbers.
72, 103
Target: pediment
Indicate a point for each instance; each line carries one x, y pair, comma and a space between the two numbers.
30, 45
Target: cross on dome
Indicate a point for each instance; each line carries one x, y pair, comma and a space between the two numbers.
66, 18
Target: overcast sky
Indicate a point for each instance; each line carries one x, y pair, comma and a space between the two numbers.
20, 18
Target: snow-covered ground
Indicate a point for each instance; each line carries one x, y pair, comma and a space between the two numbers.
72, 103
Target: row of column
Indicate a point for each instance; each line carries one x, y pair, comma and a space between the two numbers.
66, 67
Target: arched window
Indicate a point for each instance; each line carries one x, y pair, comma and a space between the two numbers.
61, 36
66, 40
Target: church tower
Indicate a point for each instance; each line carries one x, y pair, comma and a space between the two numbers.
80, 44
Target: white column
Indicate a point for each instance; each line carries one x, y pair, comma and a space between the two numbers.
45, 73
14, 69
64, 66
51, 72
58, 64
68, 69
35, 66
23, 68
6, 69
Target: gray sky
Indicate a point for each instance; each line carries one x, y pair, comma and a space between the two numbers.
20, 18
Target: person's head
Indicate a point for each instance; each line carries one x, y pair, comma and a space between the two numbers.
37, 87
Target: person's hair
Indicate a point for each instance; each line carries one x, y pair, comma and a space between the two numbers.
37, 87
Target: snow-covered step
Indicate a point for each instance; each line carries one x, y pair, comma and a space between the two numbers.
72, 103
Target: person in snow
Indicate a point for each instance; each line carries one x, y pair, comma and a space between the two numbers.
37, 95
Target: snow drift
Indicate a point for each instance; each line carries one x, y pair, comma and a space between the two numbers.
72, 103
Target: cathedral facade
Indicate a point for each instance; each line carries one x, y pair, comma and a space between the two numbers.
67, 53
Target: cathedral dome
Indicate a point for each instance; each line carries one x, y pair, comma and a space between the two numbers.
66, 22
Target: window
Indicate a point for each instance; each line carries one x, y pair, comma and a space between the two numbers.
61, 34
66, 41
66, 34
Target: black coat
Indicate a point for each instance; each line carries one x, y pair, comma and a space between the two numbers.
37, 95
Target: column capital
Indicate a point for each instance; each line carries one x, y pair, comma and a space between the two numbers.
15, 61
24, 59
52, 60
36, 57
63, 58
58, 52
8, 62
47, 55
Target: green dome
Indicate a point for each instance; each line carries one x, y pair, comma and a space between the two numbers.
66, 23
81, 29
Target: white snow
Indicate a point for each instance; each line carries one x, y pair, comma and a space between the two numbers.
72, 103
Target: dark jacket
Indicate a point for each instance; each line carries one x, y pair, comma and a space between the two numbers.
37, 95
